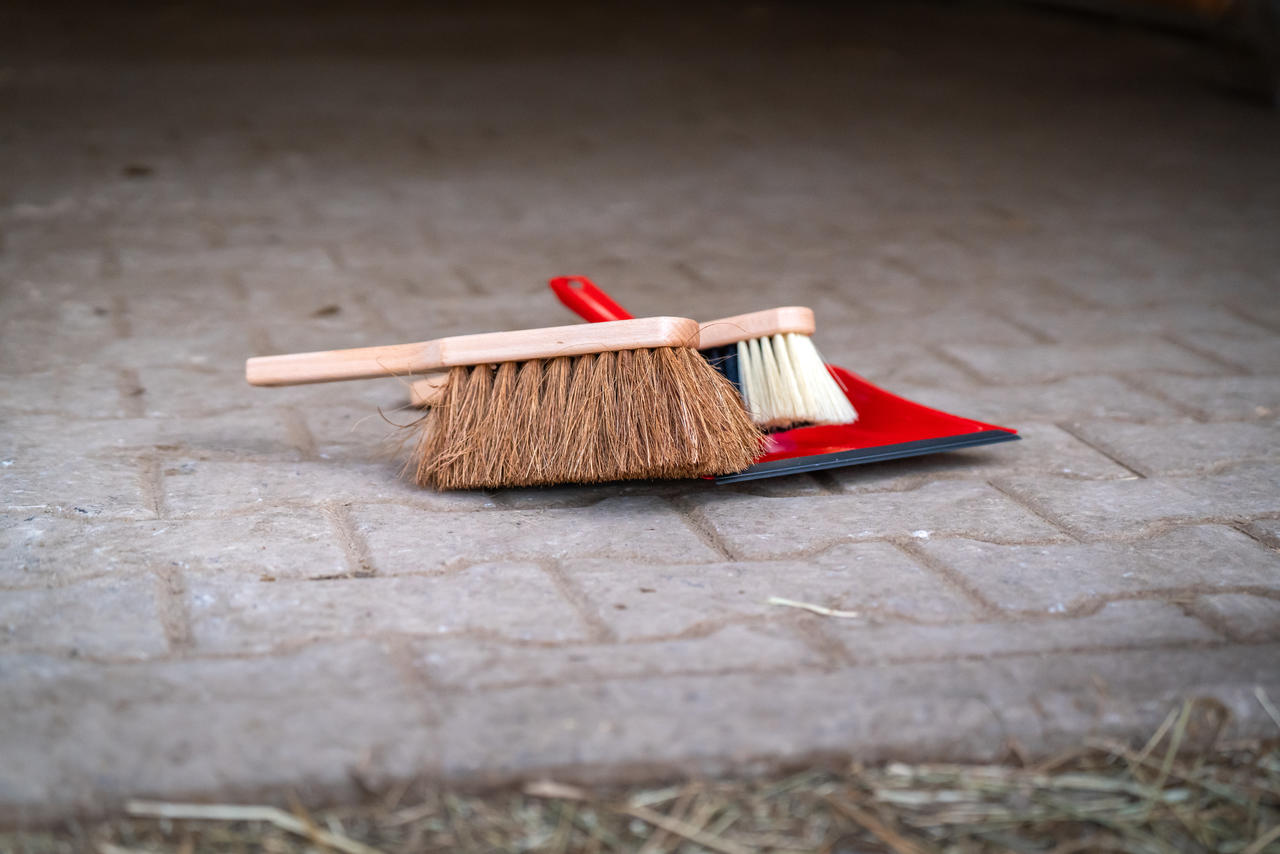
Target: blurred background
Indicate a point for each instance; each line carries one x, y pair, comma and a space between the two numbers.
223, 179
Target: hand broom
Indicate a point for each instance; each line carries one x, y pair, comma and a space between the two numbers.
588, 403
768, 355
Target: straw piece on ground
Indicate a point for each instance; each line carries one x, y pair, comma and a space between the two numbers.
236, 812
809, 606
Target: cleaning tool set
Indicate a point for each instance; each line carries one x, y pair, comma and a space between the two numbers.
887, 427
610, 401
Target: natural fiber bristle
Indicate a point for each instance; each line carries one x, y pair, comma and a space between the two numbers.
660, 413
784, 383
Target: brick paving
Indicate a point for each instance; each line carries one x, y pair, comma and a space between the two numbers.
213, 591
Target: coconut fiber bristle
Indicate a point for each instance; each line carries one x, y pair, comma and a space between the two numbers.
649, 413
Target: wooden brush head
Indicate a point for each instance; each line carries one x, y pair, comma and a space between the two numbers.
756, 324
659, 412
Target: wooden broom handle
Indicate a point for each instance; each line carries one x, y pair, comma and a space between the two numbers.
361, 363
581, 296
482, 349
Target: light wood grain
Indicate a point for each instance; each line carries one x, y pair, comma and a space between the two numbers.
714, 333
756, 324
428, 390
484, 348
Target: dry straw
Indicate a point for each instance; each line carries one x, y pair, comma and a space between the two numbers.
1186, 790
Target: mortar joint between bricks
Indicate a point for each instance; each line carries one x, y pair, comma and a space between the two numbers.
692, 274
120, 324
153, 486
943, 355
300, 436
1247, 528
415, 676
1070, 430
171, 604
703, 528
598, 630
1177, 405
1036, 510
109, 266
236, 287
132, 393
1204, 353
260, 342
1249, 317
336, 256
350, 540
985, 607
815, 636
1037, 335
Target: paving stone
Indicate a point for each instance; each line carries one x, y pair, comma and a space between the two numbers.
145, 729
650, 601
409, 540
1048, 362
760, 528
1183, 448
361, 433
239, 613
1065, 399
1102, 325
1221, 398
50, 465
40, 550
79, 391
200, 350
1117, 625
1043, 448
1063, 577
1243, 490
1259, 355
101, 618
1244, 618
195, 391
526, 305
54, 240
299, 258
753, 648
1128, 507
895, 366
52, 324
929, 711
210, 488
953, 325
264, 433
319, 311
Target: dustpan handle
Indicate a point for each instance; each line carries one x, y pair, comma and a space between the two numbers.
584, 299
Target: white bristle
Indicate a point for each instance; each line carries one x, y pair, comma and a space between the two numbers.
785, 382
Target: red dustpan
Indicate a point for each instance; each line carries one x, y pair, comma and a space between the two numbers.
888, 427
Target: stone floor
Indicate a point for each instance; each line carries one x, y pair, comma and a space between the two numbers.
213, 591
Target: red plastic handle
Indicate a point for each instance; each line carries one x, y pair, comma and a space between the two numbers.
586, 300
